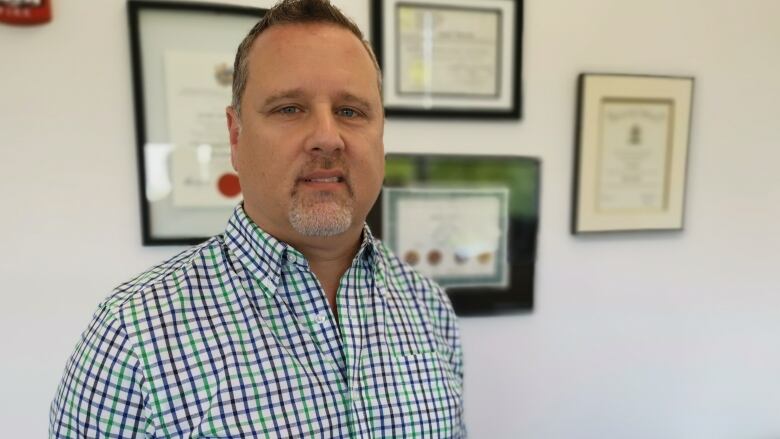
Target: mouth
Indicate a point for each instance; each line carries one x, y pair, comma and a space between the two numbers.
326, 180
334, 179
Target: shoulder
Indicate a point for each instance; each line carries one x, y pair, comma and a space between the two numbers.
133, 336
164, 281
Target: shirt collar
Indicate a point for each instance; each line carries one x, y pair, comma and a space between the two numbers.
258, 252
264, 256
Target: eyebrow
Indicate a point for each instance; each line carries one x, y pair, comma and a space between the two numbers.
349, 97
285, 94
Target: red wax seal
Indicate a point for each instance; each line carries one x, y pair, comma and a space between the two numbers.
25, 12
228, 185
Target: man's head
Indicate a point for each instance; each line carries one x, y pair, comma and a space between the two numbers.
293, 12
307, 122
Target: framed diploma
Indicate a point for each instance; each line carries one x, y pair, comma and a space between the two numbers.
182, 65
449, 58
631, 153
456, 235
468, 222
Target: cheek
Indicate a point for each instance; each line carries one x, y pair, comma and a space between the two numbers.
381, 168
251, 164
372, 173
254, 170
260, 159
378, 164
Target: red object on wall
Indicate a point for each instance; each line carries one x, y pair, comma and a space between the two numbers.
25, 12
229, 185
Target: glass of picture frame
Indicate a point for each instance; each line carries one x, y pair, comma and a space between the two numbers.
468, 222
182, 69
631, 154
450, 58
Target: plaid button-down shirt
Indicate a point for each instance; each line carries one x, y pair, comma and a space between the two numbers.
235, 338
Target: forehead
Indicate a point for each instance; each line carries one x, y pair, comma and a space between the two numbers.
300, 51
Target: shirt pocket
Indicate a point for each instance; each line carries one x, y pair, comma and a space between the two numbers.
427, 371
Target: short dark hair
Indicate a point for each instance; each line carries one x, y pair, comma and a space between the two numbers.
292, 12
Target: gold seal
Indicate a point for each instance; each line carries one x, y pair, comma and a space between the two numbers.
434, 257
485, 258
412, 257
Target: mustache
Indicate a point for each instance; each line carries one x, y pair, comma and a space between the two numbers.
325, 164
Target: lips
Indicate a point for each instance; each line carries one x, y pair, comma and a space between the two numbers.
329, 176
324, 180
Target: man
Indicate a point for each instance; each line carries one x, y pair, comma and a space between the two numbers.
295, 322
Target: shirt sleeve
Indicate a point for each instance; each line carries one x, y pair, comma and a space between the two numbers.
101, 394
447, 325
456, 359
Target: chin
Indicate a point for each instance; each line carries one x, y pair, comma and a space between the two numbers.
321, 219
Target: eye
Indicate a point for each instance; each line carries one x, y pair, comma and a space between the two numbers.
289, 110
348, 112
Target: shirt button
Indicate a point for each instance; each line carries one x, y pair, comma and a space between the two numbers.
355, 395
291, 258
321, 317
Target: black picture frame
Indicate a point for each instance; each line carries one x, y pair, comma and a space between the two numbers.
518, 296
506, 105
215, 220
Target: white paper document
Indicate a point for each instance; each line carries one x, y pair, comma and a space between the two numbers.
456, 236
634, 150
448, 51
198, 86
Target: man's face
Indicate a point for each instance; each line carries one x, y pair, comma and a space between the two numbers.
309, 149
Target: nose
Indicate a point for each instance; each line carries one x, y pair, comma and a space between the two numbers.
325, 133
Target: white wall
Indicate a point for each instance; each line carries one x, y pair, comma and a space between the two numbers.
663, 335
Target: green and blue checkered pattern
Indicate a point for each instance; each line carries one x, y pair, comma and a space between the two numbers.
234, 338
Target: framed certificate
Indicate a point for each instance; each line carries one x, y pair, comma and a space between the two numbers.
457, 236
182, 65
631, 153
449, 58
468, 222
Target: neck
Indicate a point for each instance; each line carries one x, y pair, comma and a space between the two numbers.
329, 257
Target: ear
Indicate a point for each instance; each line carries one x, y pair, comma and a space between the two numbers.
234, 129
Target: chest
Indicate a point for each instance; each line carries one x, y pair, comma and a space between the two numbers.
285, 366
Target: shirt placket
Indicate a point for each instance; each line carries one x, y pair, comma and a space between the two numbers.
355, 302
311, 305
343, 342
